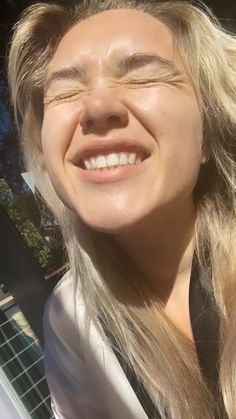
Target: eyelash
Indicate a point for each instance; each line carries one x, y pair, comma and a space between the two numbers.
141, 81
63, 96
167, 79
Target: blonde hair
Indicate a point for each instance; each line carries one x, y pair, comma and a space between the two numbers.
163, 359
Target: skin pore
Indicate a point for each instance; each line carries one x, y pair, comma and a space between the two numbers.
111, 84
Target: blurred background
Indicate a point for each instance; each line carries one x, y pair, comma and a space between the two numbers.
31, 261
31, 250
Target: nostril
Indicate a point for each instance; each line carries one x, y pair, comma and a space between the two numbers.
113, 119
110, 120
89, 123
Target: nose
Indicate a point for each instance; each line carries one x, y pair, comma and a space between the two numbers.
103, 112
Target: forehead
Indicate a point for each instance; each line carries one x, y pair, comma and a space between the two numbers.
111, 34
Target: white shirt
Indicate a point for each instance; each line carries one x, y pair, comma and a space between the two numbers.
84, 376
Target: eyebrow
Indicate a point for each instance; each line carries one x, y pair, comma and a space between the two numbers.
125, 65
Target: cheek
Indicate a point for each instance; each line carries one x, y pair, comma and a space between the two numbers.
174, 121
59, 125
165, 110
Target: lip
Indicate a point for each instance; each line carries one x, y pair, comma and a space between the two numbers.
113, 174
105, 146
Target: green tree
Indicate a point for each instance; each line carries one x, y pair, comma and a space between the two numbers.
24, 225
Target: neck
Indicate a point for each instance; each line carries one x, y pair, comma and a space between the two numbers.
161, 249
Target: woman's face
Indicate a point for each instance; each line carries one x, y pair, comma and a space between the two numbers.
122, 128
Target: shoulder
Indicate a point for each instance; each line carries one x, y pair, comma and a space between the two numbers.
60, 313
83, 374
72, 390
62, 291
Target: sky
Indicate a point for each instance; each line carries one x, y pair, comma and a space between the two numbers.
5, 121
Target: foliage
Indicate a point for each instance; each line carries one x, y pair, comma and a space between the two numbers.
25, 227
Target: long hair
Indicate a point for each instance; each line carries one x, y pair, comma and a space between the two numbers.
163, 359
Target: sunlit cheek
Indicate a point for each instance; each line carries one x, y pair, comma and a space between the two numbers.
154, 107
59, 125
54, 152
173, 118
144, 98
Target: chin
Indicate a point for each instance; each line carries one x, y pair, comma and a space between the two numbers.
109, 225
109, 228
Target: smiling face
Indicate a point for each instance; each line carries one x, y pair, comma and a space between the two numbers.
122, 128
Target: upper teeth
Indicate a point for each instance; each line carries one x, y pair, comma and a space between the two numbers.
113, 159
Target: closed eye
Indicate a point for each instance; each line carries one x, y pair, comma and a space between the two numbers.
160, 79
141, 81
62, 97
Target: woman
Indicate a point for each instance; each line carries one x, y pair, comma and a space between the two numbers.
126, 111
